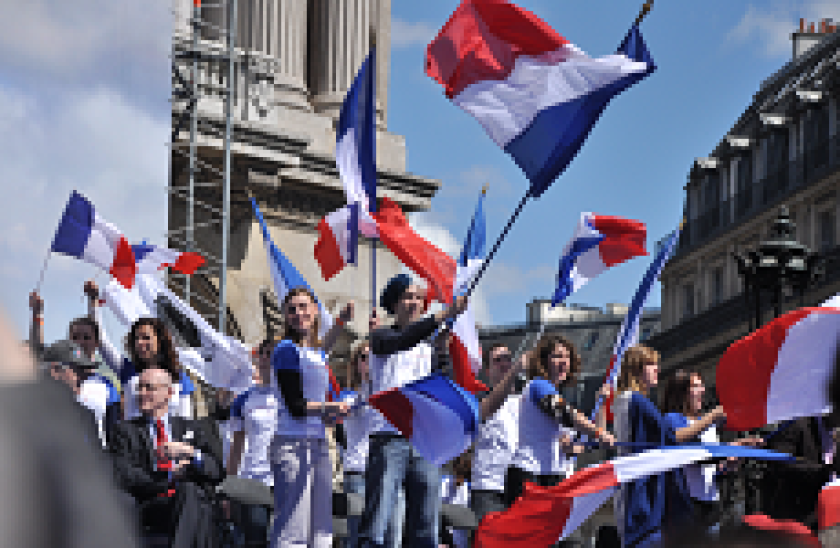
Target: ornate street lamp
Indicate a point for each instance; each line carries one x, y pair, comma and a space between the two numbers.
779, 265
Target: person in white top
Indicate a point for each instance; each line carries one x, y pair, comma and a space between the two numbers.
547, 425
299, 454
253, 422
498, 433
400, 354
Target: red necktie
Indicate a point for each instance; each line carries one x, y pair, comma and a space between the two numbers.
163, 463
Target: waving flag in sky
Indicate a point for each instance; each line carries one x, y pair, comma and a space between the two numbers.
628, 335
464, 347
544, 515
82, 233
151, 258
780, 371
437, 416
536, 94
599, 242
355, 156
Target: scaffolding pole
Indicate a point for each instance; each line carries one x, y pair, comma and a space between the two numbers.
226, 186
190, 232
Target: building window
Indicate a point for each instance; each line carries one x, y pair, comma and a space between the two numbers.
816, 136
688, 300
646, 333
743, 199
717, 285
591, 340
827, 229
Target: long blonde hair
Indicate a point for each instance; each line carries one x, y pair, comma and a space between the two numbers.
632, 368
291, 334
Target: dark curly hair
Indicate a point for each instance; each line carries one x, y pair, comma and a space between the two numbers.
538, 361
167, 358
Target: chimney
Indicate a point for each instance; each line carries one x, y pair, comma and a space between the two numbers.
809, 34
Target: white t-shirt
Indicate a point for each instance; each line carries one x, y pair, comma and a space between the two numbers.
451, 493
357, 426
495, 445
311, 363
93, 394
255, 412
394, 371
538, 450
701, 477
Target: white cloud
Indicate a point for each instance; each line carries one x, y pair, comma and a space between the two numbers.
406, 34
773, 22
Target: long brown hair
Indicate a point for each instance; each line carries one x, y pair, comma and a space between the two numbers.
167, 358
538, 361
288, 331
632, 365
675, 398
354, 377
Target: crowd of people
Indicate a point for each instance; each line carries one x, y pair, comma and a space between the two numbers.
290, 433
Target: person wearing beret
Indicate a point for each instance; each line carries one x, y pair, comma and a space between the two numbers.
401, 354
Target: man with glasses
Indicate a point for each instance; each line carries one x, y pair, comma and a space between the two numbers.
169, 464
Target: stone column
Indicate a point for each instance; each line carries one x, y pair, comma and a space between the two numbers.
341, 33
287, 39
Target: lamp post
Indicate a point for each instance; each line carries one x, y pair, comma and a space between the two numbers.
781, 266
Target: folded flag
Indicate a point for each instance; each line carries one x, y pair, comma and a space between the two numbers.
628, 335
544, 515
151, 258
421, 256
83, 234
780, 371
464, 346
599, 242
284, 274
536, 94
792, 531
437, 416
828, 506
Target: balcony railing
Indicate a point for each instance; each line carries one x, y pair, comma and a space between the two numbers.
813, 165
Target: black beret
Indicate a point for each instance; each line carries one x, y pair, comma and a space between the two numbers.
393, 291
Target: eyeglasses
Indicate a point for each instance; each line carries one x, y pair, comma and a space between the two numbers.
501, 357
148, 387
81, 338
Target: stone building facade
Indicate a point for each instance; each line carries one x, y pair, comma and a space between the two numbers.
783, 150
297, 59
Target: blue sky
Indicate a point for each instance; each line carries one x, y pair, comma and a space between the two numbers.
84, 93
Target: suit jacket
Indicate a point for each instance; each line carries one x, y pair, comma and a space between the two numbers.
793, 487
134, 457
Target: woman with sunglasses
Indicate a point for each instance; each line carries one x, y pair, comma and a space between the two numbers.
96, 390
253, 421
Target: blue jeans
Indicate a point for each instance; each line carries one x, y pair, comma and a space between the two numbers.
393, 462
355, 483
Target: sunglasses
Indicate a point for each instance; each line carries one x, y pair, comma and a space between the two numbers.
81, 338
501, 357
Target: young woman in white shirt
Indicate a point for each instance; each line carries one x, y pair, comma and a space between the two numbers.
547, 425
299, 453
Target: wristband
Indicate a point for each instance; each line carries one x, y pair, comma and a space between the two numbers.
39, 320
339, 321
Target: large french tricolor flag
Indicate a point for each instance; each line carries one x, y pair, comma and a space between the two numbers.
544, 515
437, 416
464, 347
599, 242
628, 335
355, 156
151, 258
780, 371
84, 234
536, 94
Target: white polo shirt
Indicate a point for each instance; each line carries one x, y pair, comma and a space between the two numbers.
495, 445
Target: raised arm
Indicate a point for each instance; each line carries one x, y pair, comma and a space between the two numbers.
693, 430
386, 341
36, 327
110, 353
335, 331
494, 400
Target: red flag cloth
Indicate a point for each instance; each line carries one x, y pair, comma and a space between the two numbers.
462, 367
421, 256
828, 507
790, 529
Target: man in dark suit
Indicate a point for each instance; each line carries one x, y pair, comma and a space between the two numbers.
793, 487
169, 464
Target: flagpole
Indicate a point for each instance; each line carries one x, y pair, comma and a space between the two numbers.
43, 272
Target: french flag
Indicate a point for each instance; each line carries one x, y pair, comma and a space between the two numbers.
628, 334
83, 234
544, 515
599, 242
355, 157
437, 416
464, 347
151, 258
536, 94
780, 371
